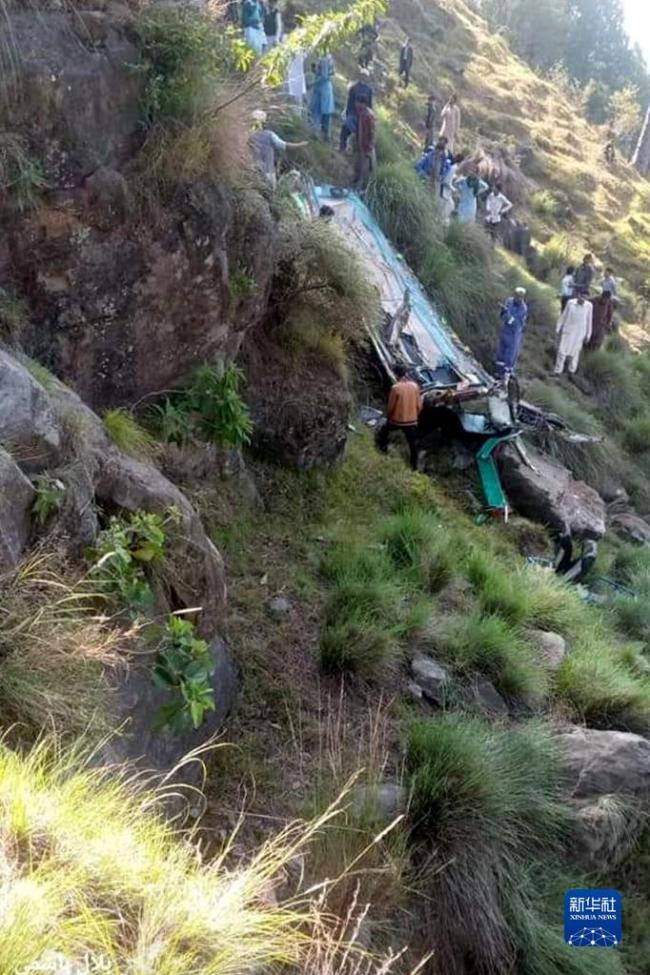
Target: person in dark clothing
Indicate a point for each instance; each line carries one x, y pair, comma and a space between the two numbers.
361, 92
603, 317
403, 412
429, 122
583, 277
368, 35
406, 61
365, 162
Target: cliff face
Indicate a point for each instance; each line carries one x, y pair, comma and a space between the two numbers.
122, 300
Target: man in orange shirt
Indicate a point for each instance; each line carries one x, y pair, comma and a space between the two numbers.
404, 408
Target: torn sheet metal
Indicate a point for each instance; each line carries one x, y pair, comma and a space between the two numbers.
414, 331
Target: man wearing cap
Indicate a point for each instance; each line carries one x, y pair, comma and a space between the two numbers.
265, 144
514, 319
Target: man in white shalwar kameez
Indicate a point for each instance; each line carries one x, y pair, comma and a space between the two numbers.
574, 329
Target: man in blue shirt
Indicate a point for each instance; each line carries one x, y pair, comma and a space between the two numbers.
360, 92
514, 319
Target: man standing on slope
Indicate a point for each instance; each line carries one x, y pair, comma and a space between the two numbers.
496, 207
603, 318
359, 92
450, 128
406, 61
429, 122
402, 413
514, 319
583, 277
574, 328
365, 159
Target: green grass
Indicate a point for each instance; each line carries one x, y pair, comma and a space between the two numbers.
97, 874
524, 595
636, 435
404, 207
598, 683
127, 434
487, 802
418, 542
491, 646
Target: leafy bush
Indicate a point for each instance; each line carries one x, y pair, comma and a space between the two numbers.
123, 556
490, 646
487, 803
50, 493
222, 414
173, 421
418, 542
184, 663
127, 434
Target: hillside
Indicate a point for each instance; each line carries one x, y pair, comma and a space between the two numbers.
271, 700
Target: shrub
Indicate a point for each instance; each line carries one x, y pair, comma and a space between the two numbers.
546, 204
418, 542
486, 802
122, 558
489, 645
223, 416
405, 208
50, 493
185, 665
127, 434
172, 421
632, 616
630, 563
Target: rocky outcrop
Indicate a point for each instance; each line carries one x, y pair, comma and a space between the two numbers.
550, 648
123, 300
16, 498
28, 426
97, 476
598, 763
631, 526
606, 830
432, 678
547, 492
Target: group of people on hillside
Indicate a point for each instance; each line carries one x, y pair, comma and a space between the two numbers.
457, 189
584, 321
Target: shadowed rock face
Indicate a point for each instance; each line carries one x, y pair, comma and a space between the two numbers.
548, 493
122, 302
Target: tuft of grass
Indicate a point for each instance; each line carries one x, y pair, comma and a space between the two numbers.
491, 646
485, 807
357, 646
97, 873
55, 650
615, 385
524, 595
600, 686
636, 435
417, 542
21, 176
404, 207
127, 434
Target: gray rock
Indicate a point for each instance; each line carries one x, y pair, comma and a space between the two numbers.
136, 706
549, 494
16, 498
485, 697
432, 677
598, 763
279, 607
28, 425
550, 647
606, 830
632, 526
196, 572
384, 801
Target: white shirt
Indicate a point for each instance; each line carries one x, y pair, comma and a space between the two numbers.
496, 206
567, 286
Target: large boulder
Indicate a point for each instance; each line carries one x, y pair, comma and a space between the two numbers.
76, 94
28, 425
136, 706
550, 648
547, 492
598, 763
631, 526
16, 498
